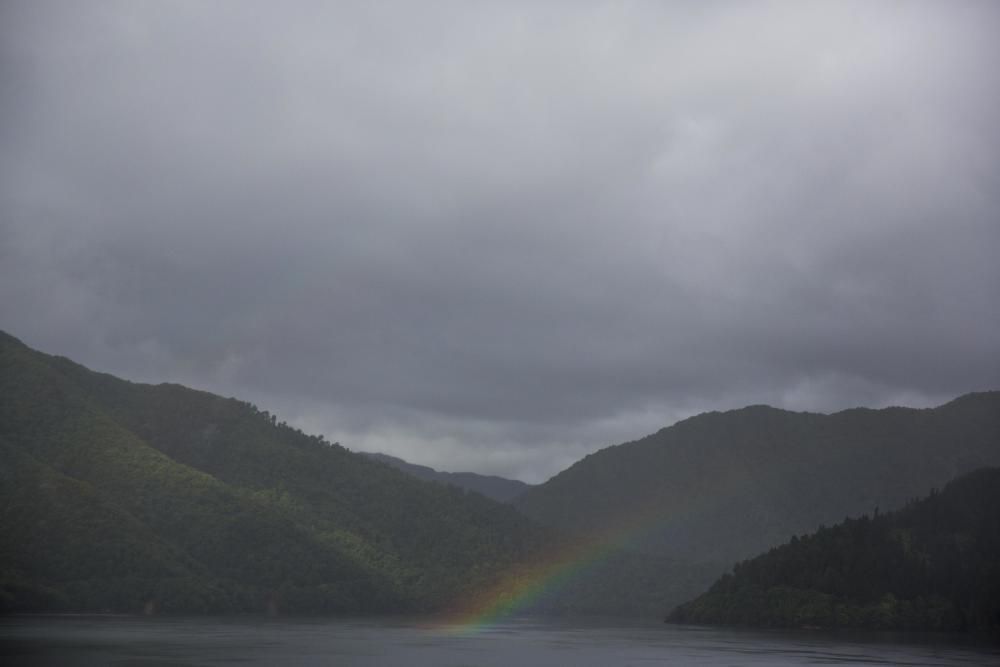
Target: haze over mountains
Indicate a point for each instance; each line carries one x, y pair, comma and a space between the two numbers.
123, 496
498, 238
695, 497
491, 486
541, 241
725, 486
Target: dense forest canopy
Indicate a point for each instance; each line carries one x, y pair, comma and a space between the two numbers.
933, 565
119, 495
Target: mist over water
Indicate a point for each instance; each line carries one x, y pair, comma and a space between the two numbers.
82, 641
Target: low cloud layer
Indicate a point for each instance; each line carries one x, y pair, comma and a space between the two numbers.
497, 237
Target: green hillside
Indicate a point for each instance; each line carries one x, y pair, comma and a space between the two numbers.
934, 565
119, 496
720, 487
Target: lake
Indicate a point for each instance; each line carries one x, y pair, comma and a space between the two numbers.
162, 642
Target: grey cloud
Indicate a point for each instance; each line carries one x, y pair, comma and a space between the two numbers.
500, 236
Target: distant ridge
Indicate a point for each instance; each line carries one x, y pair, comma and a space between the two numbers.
723, 486
498, 488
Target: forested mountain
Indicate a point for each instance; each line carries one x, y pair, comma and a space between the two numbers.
934, 565
118, 496
723, 486
491, 486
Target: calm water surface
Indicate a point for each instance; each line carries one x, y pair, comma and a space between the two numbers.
162, 642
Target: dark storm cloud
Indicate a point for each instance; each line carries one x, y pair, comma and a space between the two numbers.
499, 236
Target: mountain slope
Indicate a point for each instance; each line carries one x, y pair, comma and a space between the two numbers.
117, 495
498, 488
723, 486
934, 565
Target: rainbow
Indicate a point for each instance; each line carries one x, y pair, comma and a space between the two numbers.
520, 587
549, 571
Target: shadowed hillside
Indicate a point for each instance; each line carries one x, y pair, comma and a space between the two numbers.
934, 565
724, 486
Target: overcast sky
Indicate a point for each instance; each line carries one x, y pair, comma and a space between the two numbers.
499, 236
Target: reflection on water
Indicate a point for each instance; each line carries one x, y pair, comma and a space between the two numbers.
162, 642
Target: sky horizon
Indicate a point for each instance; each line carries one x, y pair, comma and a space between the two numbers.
498, 237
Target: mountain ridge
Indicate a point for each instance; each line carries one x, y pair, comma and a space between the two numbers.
725, 485
203, 503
